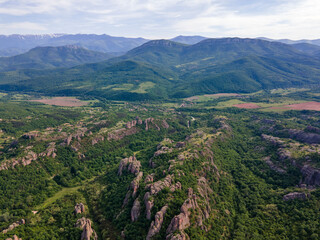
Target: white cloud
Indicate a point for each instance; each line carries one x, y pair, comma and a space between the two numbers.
22, 27
271, 18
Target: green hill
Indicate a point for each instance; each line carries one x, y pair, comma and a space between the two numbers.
51, 57
162, 69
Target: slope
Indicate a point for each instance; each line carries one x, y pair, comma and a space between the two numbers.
51, 57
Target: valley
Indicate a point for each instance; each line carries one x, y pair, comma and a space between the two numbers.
179, 169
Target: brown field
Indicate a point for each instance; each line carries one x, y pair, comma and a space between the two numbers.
62, 101
247, 105
301, 106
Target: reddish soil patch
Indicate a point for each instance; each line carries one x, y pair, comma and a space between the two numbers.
62, 101
247, 105
301, 106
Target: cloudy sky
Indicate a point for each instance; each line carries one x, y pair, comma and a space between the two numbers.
295, 19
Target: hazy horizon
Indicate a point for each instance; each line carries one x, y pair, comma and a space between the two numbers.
276, 19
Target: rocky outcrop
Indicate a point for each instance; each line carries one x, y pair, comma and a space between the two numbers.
121, 133
79, 208
312, 129
14, 225
50, 151
311, 176
11, 163
273, 140
295, 195
175, 187
131, 164
97, 139
178, 236
159, 185
180, 145
160, 150
88, 232
31, 135
147, 122
135, 211
181, 221
15, 237
149, 178
273, 166
131, 124
164, 124
157, 223
135, 184
305, 137
149, 203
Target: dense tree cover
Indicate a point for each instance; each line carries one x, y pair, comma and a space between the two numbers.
247, 198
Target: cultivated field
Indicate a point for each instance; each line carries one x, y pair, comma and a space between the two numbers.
62, 101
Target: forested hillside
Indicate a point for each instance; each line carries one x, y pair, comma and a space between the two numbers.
163, 69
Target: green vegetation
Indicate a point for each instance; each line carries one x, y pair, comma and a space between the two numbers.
222, 145
163, 69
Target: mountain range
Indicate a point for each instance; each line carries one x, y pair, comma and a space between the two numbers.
161, 69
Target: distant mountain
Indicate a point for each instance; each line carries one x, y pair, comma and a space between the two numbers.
307, 48
208, 52
289, 41
16, 44
51, 57
188, 39
162, 69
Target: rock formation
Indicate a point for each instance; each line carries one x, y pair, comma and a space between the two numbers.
157, 223
97, 139
135, 211
135, 184
149, 202
164, 124
85, 225
295, 195
311, 176
79, 208
14, 225
149, 178
273, 140
131, 164
121, 133
31, 135
131, 124
161, 184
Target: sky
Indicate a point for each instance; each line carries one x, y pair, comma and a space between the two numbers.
152, 19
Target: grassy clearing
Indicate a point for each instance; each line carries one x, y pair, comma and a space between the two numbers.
63, 192
286, 91
143, 87
228, 103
